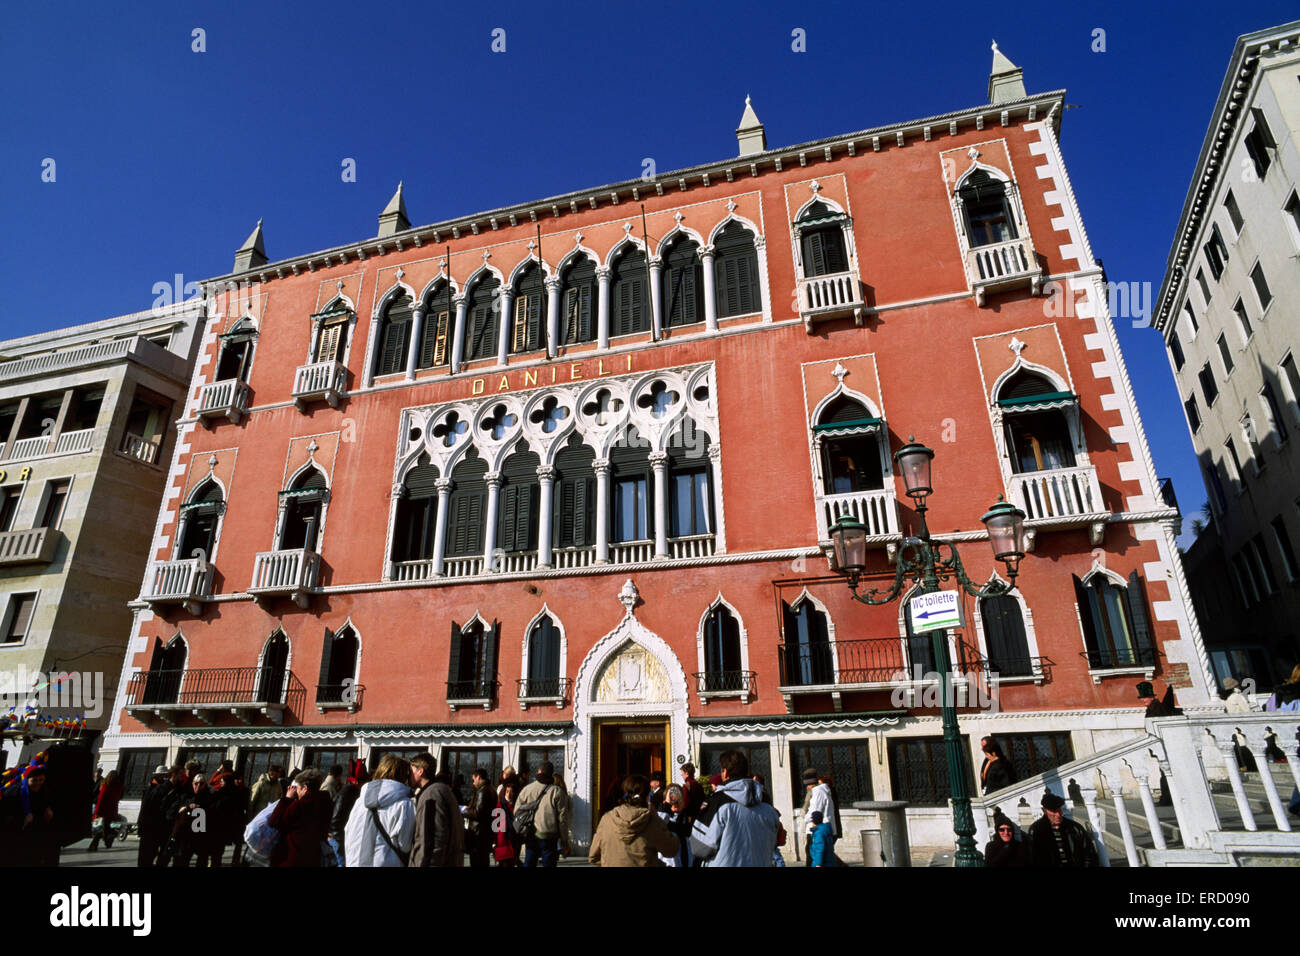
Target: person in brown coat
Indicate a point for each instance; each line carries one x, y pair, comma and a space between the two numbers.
632, 834
439, 826
303, 819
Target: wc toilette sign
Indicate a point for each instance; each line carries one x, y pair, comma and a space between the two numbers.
935, 611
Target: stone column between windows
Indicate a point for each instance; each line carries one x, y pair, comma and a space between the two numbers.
8, 450
372, 349
602, 307
507, 322
62, 419
417, 333
656, 307
545, 481
659, 463
458, 339
715, 479
764, 287
493, 479
601, 467
710, 297
440, 525
552, 316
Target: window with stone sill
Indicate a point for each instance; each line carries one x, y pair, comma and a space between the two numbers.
472, 665
1040, 423
1116, 627
439, 327
987, 209
338, 668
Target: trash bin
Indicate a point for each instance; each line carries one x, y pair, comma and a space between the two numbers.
893, 846
872, 853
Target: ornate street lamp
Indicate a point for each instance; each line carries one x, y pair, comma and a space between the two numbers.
921, 561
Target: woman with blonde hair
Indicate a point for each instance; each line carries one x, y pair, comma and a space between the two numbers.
381, 828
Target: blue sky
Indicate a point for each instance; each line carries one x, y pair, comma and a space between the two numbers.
165, 157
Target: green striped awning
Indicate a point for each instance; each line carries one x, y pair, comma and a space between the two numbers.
852, 425
1043, 400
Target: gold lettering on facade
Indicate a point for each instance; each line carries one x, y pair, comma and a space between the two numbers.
24, 473
530, 377
575, 371
505, 384
476, 387
629, 361
602, 370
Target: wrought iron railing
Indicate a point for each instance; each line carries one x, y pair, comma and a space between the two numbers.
1105, 658
546, 688
871, 661
216, 687
724, 682
347, 694
472, 689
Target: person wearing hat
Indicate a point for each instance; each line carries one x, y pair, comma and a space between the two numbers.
809, 779
1056, 840
1004, 850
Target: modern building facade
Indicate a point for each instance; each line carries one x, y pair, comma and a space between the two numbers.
555, 482
1227, 311
86, 419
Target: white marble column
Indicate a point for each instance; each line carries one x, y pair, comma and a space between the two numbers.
493, 479
659, 464
458, 339
545, 481
710, 292
715, 489
602, 306
372, 348
656, 306
601, 467
552, 316
440, 526
417, 333
506, 297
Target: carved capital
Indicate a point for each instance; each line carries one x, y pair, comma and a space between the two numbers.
493, 479
444, 486
658, 460
546, 473
553, 284
399, 490
707, 253
603, 273
458, 299
601, 467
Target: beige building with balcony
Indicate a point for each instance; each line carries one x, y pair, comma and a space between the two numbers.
86, 431
1227, 311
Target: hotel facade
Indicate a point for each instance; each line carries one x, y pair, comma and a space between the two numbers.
555, 481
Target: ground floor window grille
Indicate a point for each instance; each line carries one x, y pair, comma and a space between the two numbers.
918, 770
135, 767
846, 760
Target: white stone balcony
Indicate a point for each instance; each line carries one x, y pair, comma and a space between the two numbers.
186, 582
876, 509
1061, 497
462, 567
1003, 265
833, 296
320, 381
631, 552
140, 448
226, 399
74, 443
691, 546
285, 574
35, 546
564, 558
30, 447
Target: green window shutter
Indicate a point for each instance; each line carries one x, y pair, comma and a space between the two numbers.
326, 660
533, 334
453, 662
586, 314
748, 297
474, 522
814, 254
570, 333
1085, 615
506, 524
1137, 609
488, 667
623, 313
457, 526
564, 514
525, 509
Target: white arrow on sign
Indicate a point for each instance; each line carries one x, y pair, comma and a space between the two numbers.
935, 611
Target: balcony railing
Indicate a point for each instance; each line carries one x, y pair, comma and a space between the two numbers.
691, 546
69, 358
873, 662
320, 380
228, 399
544, 691
830, 297
242, 691
31, 447
462, 567
1108, 658
877, 509
1061, 493
74, 443
631, 552
140, 448
1003, 265
564, 558
725, 684
291, 573
473, 692
35, 546
514, 561
336, 696
186, 581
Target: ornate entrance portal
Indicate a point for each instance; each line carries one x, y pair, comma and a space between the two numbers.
626, 748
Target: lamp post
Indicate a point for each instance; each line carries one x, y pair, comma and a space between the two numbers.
921, 560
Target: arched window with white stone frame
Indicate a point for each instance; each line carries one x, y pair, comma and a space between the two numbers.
337, 686
273, 669
994, 237
302, 510
1113, 618
545, 661
1005, 625
723, 653
851, 464
808, 652
162, 682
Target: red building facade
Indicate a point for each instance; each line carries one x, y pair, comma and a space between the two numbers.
503, 489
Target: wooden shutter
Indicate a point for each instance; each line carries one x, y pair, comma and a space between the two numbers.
519, 331
433, 344
584, 501
506, 523
564, 512
747, 294
328, 347
571, 303
1085, 615
1135, 600
488, 665
814, 254
453, 658
326, 660
474, 524
525, 507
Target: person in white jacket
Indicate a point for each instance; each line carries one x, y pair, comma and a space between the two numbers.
823, 801
387, 799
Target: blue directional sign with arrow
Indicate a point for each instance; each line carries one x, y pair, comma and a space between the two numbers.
935, 611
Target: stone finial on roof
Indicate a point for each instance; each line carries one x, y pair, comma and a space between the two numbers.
252, 253
749, 134
393, 219
1006, 80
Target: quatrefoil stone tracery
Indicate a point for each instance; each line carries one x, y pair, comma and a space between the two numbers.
450, 429
549, 415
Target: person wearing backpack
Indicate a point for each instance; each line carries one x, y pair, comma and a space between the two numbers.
439, 826
542, 819
735, 827
381, 827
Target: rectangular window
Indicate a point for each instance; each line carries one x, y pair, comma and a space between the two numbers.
1273, 412
1261, 286
1176, 350
1243, 320
1234, 214
846, 761
1205, 286
1291, 385
1191, 318
461, 762
1260, 556
56, 497
1032, 754
322, 758
690, 503
530, 758
1251, 438
1292, 210
1283, 540
9, 498
630, 512
759, 756
1244, 585
1216, 253
208, 758
1193, 414
1208, 388
1225, 353
135, 767
253, 762
918, 770
1258, 142
19, 618
1235, 462
1216, 486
